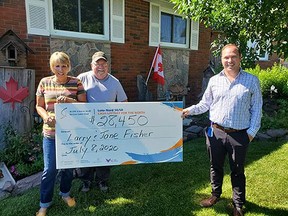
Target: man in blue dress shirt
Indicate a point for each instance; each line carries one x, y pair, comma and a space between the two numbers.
233, 98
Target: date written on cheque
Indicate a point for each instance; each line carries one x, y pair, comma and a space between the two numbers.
83, 150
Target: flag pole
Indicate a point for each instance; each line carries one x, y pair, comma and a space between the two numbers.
152, 64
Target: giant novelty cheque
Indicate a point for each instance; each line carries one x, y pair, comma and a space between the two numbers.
101, 134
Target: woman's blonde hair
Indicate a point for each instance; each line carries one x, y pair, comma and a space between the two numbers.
59, 58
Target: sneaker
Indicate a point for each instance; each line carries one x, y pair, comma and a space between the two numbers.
86, 186
103, 186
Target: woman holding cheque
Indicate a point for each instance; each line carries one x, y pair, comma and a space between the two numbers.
59, 88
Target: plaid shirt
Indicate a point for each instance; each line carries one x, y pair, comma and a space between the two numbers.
236, 105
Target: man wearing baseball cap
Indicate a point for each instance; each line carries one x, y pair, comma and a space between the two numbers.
100, 86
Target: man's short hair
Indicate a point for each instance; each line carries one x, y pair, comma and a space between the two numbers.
231, 44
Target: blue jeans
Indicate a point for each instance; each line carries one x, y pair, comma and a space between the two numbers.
50, 173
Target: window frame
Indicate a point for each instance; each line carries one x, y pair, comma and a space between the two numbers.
82, 35
40, 21
262, 58
178, 45
192, 27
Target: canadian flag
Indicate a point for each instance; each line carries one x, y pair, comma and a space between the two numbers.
158, 74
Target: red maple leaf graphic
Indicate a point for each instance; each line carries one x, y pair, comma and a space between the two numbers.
12, 94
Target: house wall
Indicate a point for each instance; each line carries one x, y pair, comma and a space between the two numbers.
134, 57
272, 59
13, 16
199, 61
127, 60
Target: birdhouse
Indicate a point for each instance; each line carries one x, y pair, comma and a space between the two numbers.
13, 51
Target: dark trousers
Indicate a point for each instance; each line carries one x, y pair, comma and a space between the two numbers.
100, 174
234, 145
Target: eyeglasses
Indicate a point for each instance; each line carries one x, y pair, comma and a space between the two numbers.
58, 67
100, 65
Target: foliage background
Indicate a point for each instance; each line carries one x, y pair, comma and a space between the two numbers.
276, 76
261, 21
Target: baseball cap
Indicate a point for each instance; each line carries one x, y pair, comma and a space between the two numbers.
99, 55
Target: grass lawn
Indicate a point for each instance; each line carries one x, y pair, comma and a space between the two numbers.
174, 189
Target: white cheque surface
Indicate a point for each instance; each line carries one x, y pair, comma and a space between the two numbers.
105, 134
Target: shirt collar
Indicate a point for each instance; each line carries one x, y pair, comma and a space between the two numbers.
102, 80
240, 72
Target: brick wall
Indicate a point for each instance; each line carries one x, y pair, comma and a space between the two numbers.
128, 60
40, 60
198, 63
135, 56
13, 16
272, 60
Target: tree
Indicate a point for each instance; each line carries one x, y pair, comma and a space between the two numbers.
263, 22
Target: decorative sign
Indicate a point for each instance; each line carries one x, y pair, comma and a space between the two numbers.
101, 134
12, 94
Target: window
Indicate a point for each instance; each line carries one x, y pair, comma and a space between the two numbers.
87, 19
11, 53
262, 54
173, 29
170, 29
79, 16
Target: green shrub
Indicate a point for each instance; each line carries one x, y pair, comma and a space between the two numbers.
17, 147
26, 169
22, 153
273, 81
274, 87
275, 114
